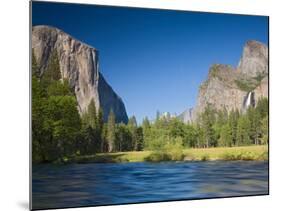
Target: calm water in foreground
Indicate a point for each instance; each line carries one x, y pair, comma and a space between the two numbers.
99, 184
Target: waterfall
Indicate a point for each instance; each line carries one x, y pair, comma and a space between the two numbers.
95, 61
249, 100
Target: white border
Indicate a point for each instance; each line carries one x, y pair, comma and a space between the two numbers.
14, 116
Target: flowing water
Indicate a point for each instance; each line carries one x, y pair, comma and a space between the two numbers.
75, 185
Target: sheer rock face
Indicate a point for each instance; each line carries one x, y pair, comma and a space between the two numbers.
79, 63
228, 88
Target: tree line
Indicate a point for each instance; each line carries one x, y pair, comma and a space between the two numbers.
213, 128
59, 131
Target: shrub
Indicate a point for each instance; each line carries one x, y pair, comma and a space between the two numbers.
171, 151
205, 158
246, 86
244, 156
158, 156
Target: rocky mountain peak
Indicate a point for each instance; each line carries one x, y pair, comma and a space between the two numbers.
254, 60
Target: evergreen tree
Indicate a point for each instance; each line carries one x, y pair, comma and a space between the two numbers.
100, 119
217, 131
200, 142
146, 132
243, 128
91, 129
264, 129
85, 144
100, 124
233, 121
207, 121
222, 117
92, 114
225, 136
63, 126
104, 143
111, 131
262, 107
133, 121
139, 139
123, 140
255, 124
191, 136
38, 115
132, 125
119, 138
176, 128
59, 88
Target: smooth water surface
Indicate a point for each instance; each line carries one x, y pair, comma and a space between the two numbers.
75, 185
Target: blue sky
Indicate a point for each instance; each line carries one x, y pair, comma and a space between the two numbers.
155, 59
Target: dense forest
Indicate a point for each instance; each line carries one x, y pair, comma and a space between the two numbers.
60, 132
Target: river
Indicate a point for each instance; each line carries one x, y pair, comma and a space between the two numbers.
94, 184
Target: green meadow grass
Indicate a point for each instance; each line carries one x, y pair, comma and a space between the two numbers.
202, 154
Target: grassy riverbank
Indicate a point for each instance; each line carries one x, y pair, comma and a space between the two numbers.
220, 153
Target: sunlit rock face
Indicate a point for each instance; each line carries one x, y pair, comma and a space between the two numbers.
79, 63
254, 59
234, 88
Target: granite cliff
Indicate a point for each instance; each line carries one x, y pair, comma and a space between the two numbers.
232, 88
79, 63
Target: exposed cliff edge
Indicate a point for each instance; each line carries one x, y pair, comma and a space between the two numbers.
79, 63
234, 88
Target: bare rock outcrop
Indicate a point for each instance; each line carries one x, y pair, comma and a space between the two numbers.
254, 59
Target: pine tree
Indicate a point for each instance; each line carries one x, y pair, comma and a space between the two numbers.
262, 107
92, 114
104, 144
100, 122
243, 128
190, 136
255, 124
123, 138
133, 121
200, 142
222, 117
100, 118
139, 139
92, 122
225, 136
207, 121
111, 131
233, 121
132, 125
38, 117
146, 132
145, 123
264, 129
